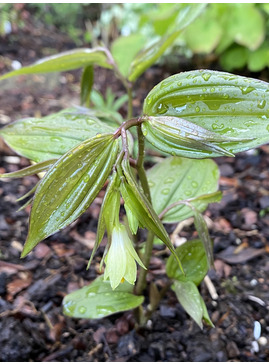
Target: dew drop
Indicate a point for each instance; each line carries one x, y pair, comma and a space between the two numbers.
151, 184
197, 109
261, 104
149, 100
179, 83
246, 90
212, 89
169, 180
165, 191
267, 128
188, 193
82, 309
86, 178
194, 184
206, 76
162, 108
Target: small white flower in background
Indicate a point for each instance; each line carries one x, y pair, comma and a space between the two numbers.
121, 258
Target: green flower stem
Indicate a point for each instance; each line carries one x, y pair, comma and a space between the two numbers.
141, 282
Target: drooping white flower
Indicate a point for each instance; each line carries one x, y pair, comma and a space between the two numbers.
121, 258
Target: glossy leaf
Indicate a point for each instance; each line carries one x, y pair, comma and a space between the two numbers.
192, 302
194, 261
69, 187
228, 105
86, 84
176, 179
40, 139
98, 300
183, 138
148, 56
137, 202
64, 61
29, 171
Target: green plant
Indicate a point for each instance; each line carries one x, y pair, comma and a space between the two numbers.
192, 116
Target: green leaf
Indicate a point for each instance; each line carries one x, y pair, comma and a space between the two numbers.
193, 258
86, 84
124, 49
29, 171
137, 202
64, 61
150, 54
52, 136
109, 211
203, 35
234, 107
234, 58
259, 59
189, 297
181, 182
98, 300
246, 25
183, 138
69, 187
203, 233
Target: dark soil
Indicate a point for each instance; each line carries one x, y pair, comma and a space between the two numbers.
32, 325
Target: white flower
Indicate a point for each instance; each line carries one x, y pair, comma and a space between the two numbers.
121, 258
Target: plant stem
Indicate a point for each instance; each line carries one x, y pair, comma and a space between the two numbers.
141, 282
130, 101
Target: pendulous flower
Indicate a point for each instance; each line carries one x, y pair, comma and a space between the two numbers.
121, 258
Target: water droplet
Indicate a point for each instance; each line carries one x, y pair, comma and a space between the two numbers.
188, 193
151, 184
194, 184
197, 109
162, 108
82, 309
149, 100
267, 128
55, 139
179, 83
145, 132
261, 104
86, 178
165, 191
206, 76
166, 84
212, 89
169, 180
246, 90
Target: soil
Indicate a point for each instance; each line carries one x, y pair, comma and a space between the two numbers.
32, 325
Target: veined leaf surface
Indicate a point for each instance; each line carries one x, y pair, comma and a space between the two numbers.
229, 105
70, 186
64, 61
52, 136
176, 179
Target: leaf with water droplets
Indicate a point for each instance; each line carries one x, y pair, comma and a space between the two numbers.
40, 139
65, 61
182, 182
235, 108
193, 258
69, 187
98, 300
192, 302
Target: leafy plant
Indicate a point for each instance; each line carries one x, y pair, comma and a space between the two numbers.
190, 116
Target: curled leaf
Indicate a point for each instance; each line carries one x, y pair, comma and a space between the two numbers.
234, 107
